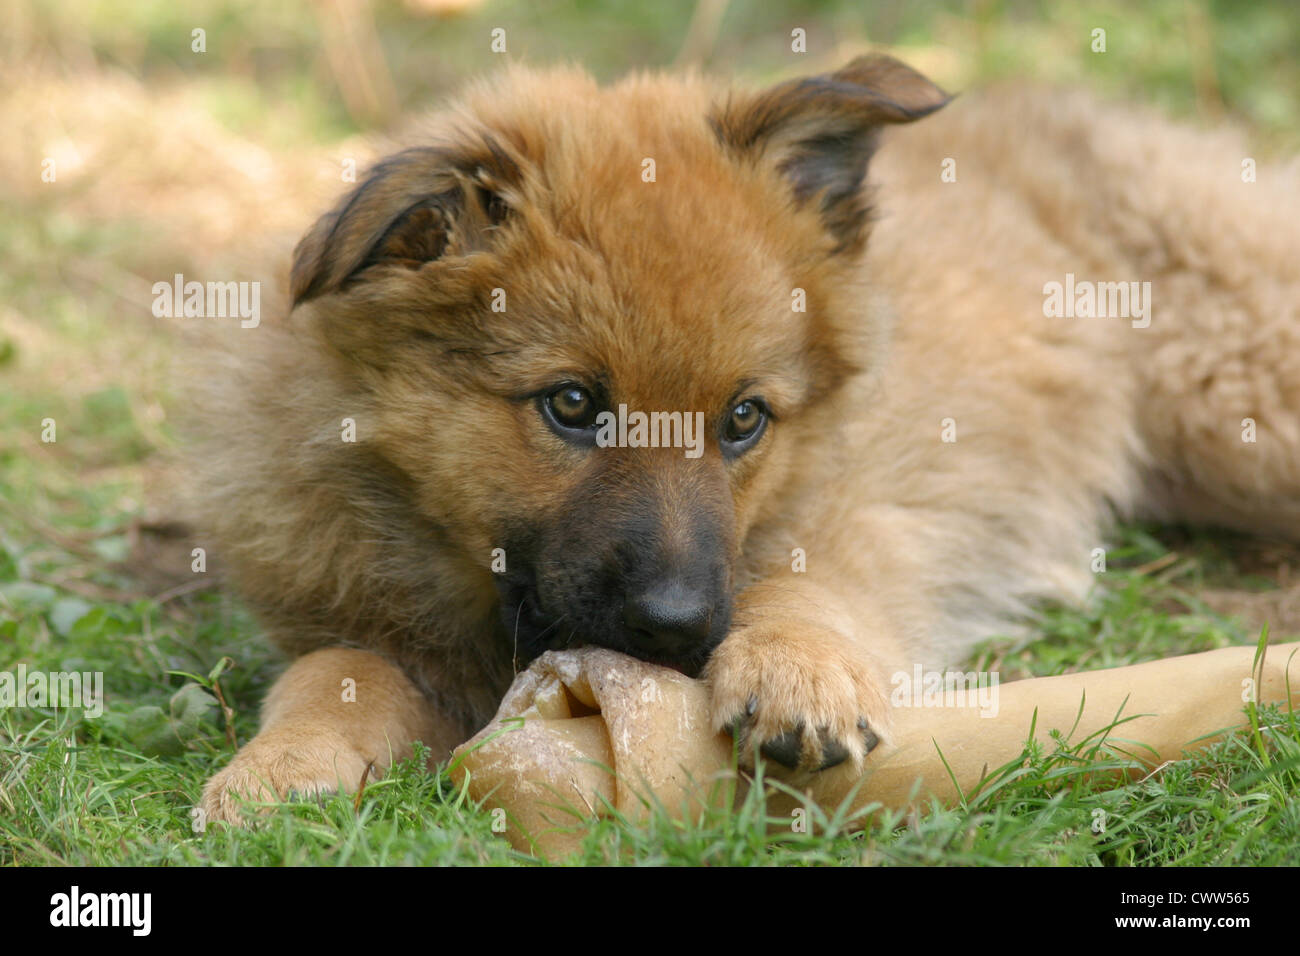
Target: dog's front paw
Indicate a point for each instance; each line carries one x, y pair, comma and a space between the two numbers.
798, 693
279, 766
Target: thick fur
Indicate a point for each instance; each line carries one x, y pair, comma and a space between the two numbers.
924, 303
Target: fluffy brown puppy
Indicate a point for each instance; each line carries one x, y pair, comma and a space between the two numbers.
898, 449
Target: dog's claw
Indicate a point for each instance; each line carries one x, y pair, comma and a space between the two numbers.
869, 738
784, 749
783, 707
834, 753
787, 748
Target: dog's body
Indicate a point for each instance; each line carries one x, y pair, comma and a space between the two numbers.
933, 453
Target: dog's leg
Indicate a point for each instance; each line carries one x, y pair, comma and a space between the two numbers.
802, 677
330, 716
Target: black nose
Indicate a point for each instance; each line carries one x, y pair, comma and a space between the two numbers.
668, 619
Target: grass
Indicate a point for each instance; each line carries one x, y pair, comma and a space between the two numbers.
100, 85
121, 788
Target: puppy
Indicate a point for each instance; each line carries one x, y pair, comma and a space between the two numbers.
881, 417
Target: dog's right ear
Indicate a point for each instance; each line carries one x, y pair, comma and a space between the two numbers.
819, 133
414, 207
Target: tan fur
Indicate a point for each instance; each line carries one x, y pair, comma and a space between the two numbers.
333, 717
916, 548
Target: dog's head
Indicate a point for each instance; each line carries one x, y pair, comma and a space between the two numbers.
555, 260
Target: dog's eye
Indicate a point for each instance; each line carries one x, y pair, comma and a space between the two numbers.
572, 406
745, 422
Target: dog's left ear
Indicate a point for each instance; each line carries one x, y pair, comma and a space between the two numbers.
821, 131
416, 206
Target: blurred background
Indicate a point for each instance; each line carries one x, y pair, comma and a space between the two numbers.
133, 147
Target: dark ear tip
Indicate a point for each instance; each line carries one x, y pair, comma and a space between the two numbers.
299, 288
909, 93
876, 66
943, 100
304, 283
301, 280
309, 273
